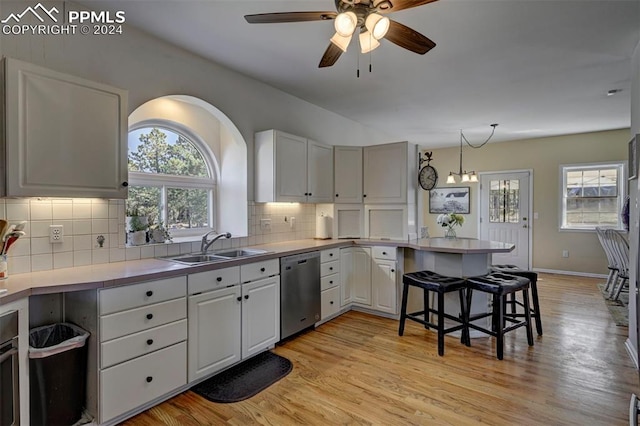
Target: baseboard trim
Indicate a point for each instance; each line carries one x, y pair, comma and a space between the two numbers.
579, 274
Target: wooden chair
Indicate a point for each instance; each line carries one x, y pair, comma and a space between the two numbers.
611, 262
620, 251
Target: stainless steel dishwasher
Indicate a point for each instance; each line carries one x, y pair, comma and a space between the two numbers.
299, 292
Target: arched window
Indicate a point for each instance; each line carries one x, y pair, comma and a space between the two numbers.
171, 179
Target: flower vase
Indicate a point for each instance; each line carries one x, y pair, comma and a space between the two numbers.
451, 233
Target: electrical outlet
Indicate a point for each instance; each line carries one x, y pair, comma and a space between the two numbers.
265, 224
292, 222
56, 234
565, 253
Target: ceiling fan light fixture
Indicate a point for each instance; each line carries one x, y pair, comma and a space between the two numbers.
340, 41
345, 23
367, 42
377, 25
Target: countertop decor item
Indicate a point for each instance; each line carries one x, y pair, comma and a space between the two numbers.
449, 220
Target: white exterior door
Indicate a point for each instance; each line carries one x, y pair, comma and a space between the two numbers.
505, 215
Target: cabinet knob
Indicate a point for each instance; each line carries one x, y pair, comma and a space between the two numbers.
262, 269
149, 316
306, 193
239, 298
393, 270
219, 279
330, 282
150, 342
246, 296
149, 379
330, 254
337, 195
364, 195
384, 253
331, 268
125, 184
310, 194
331, 303
149, 293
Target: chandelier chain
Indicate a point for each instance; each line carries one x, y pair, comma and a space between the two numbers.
493, 129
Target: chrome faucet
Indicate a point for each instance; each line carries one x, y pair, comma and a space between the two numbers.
207, 243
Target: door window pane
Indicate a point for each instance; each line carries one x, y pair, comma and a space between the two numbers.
504, 201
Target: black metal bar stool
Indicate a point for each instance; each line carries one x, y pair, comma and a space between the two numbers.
500, 285
533, 278
430, 281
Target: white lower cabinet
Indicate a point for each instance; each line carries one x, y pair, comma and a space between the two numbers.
260, 315
214, 331
369, 278
143, 379
229, 321
330, 270
330, 302
143, 349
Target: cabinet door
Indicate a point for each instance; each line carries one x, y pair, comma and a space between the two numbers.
320, 172
214, 331
346, 276
291, 168
383, 284
65, 136
362, 275
348, 174
330, 302
385, 173
260, 315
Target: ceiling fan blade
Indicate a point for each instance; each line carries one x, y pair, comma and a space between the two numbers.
397, 5
275, 18
408, 38
331, 55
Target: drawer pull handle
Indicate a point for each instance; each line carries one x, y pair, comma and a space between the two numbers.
149, 379
262, 269
330, 254
384, 253
331, 268
331, 302
149, 316
150, 342
246, 296
149, 293
330, 282
239, 298
393, 270
219, 279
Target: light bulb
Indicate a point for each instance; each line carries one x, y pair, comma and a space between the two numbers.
340, 41
451, 179
345, 23
465, 177
367, 42
377, 25
473, 177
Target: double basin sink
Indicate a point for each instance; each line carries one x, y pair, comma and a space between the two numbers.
199, 258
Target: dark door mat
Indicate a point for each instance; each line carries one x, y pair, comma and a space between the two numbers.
245, 379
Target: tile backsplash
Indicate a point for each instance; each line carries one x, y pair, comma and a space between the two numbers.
85, 220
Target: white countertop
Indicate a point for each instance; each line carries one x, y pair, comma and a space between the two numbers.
121, 273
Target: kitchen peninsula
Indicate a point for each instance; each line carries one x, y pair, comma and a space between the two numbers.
96, 297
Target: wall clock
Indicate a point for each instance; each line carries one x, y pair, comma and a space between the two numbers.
428, 175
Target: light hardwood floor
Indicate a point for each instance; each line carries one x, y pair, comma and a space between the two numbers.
357, 370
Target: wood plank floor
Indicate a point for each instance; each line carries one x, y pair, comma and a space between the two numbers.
357, 370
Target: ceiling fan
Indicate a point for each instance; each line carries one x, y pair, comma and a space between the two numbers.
368, 16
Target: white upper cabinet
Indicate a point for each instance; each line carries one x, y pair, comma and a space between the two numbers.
348, 174
389, 172
292, 169
319, 172
63, 136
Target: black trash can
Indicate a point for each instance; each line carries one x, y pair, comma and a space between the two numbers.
57, 373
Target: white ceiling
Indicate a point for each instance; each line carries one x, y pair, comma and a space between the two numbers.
536, 67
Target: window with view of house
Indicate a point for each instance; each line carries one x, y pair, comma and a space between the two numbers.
171, 180
592, 196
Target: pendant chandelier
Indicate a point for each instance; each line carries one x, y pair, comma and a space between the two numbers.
465, 176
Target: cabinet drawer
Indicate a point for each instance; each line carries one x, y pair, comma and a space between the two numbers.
142, 343
211, 280
135, 320
330, 268
136, 382
122, 298
259, 270
329, 281
329, 255
330, 302
385, 253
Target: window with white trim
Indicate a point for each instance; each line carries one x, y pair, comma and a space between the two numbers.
592, 196
171, 180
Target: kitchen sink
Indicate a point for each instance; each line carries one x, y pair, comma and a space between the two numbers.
199, 258
239, 253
